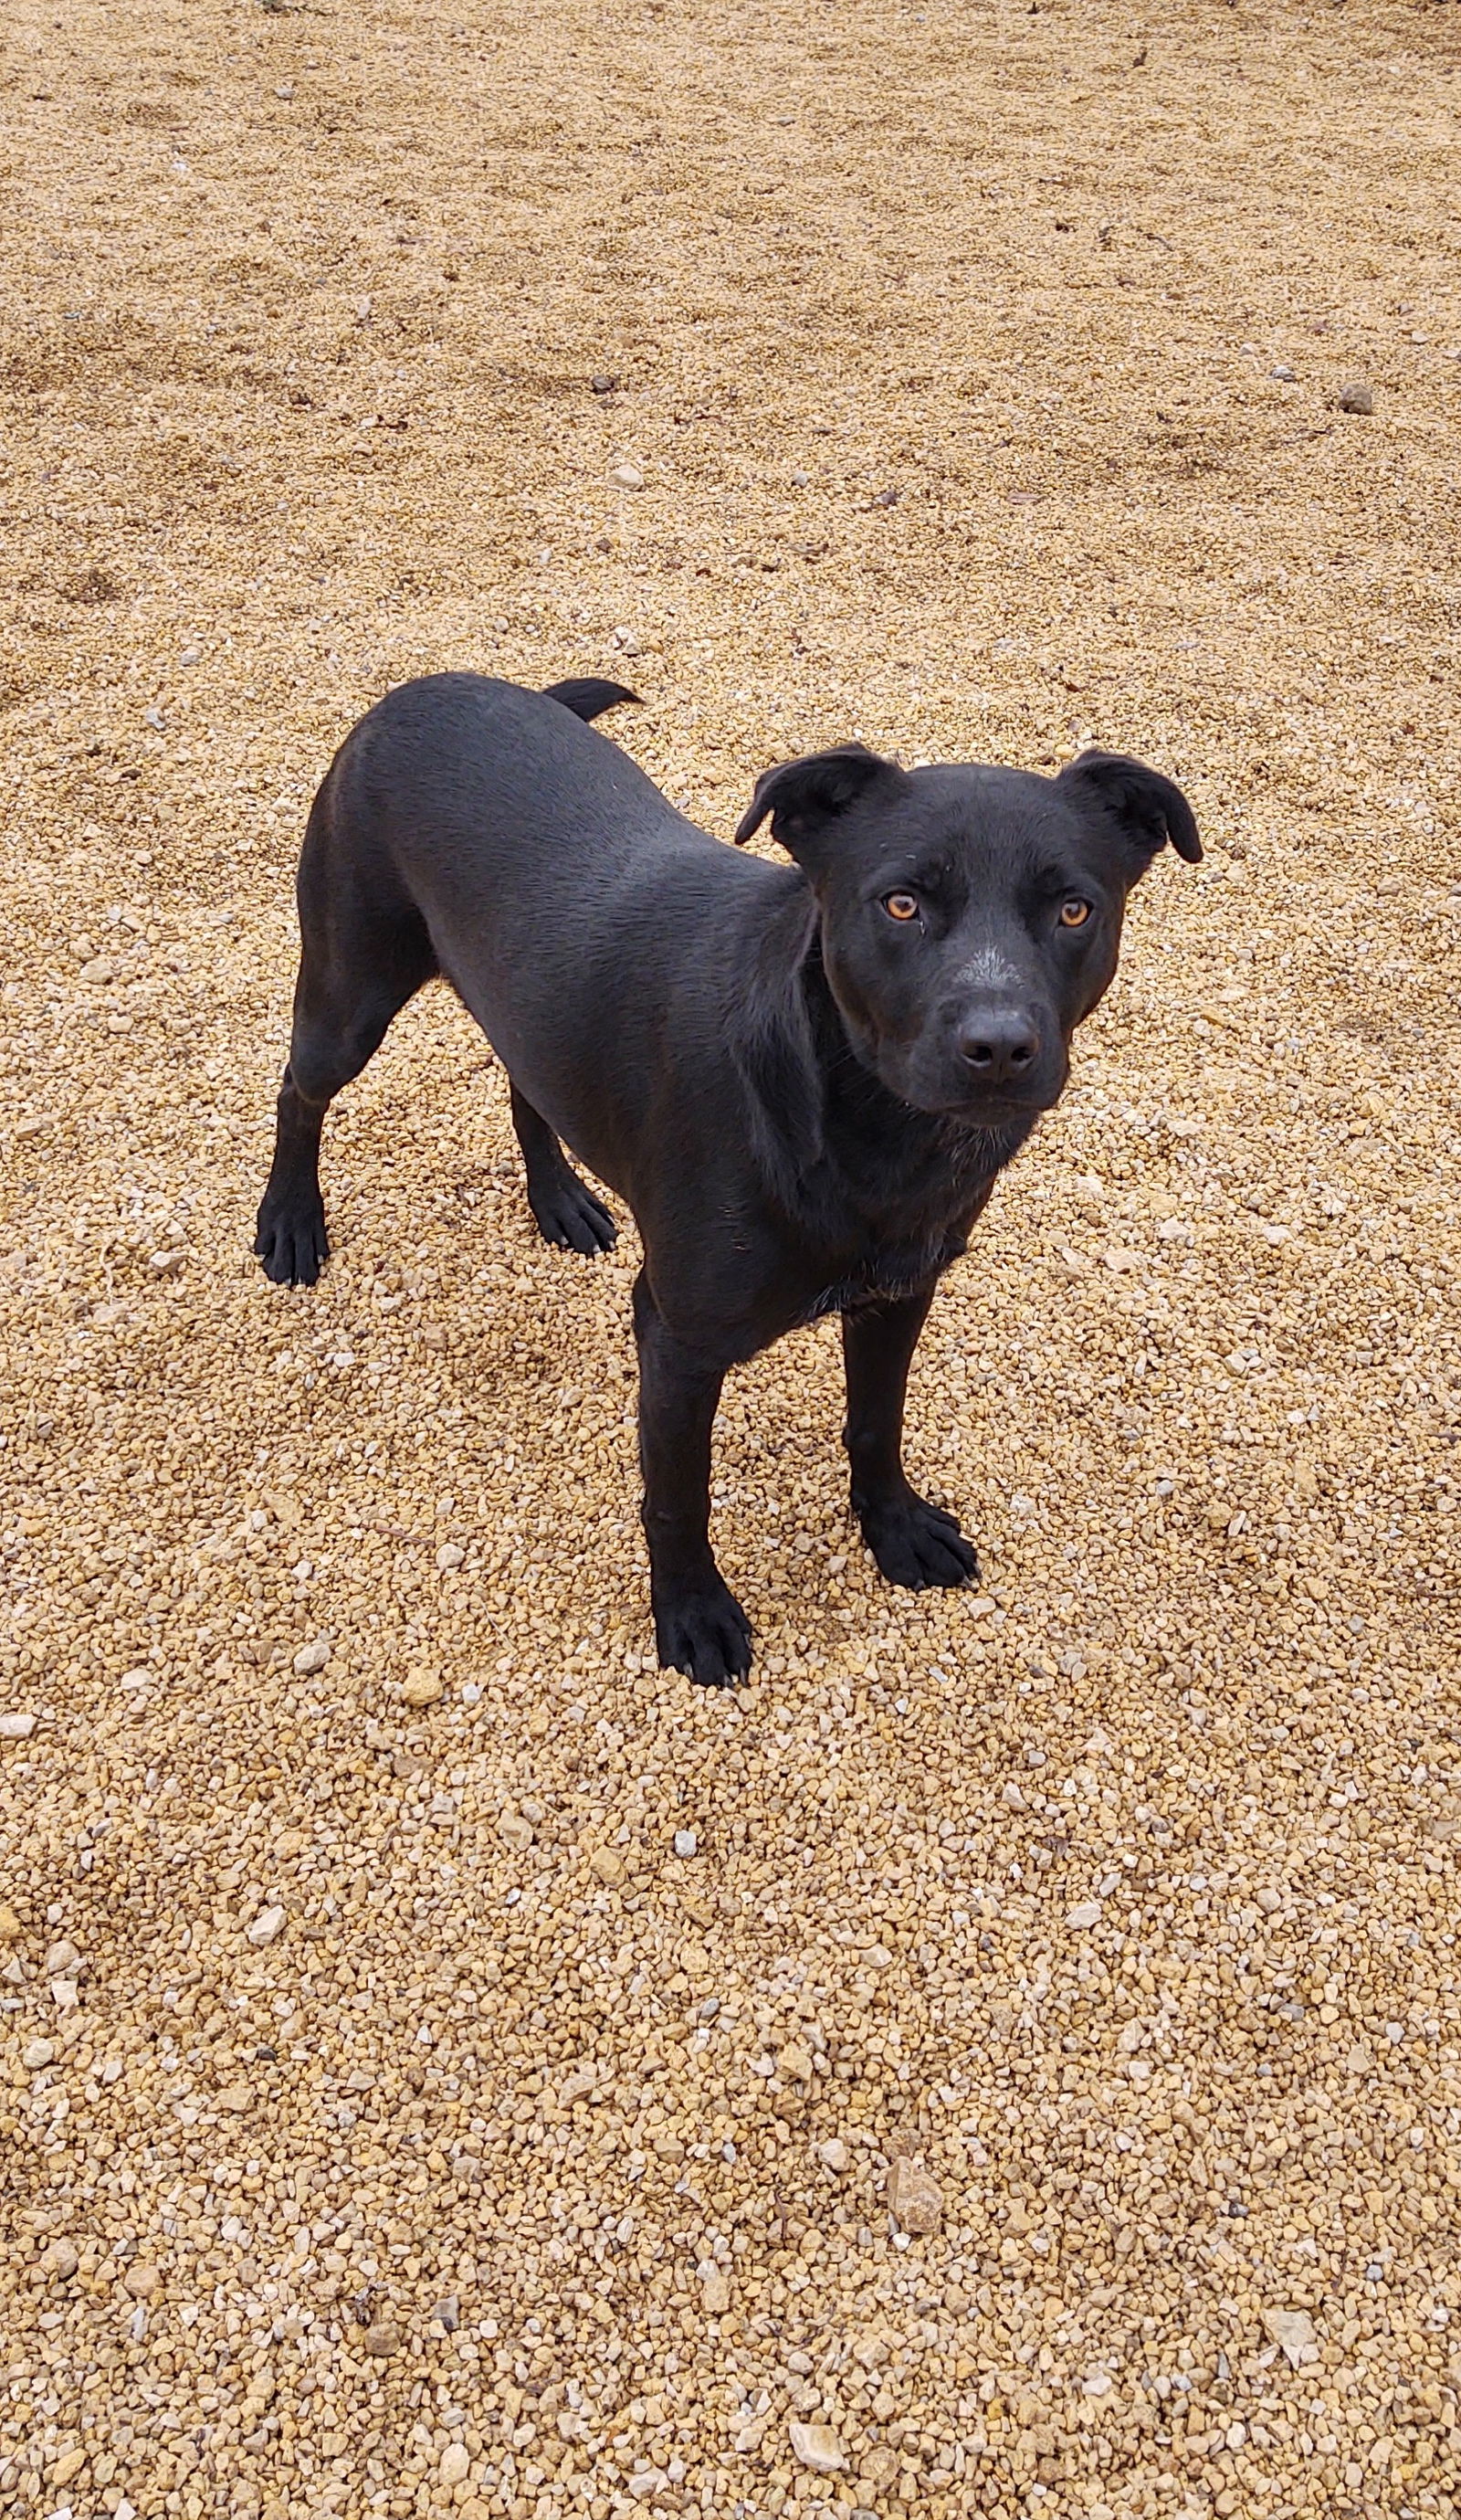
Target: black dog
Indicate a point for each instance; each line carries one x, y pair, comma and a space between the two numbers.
802, 1080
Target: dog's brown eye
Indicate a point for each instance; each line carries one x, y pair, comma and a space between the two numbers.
900, 905
1074, 914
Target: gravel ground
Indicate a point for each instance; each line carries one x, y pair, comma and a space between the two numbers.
1006, 2059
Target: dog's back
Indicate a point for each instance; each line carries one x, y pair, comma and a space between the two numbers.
544, 870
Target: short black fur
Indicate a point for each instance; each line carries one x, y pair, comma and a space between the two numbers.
804, 1080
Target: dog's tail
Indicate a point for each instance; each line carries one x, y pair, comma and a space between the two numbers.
590, 698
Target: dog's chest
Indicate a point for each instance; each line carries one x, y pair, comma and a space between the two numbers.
887, 1275
904, 1243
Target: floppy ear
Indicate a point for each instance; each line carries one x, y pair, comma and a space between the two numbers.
801, 796
1148, 809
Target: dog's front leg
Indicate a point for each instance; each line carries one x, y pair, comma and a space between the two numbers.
699, 1626
914, 1543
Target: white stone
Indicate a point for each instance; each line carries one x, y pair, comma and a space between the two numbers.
16, 1727
1293, 2331
1086, 1913
456, 2464
312, 1657
267, 1924
686, 1841
818, 2448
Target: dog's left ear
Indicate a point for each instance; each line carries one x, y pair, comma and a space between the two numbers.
803, 796
1147, 809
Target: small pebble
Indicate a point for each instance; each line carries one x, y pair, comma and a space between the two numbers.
916, 2199
16, 1727
10, 1927
38, 2053
382, 2340
686, 1841
1283, 374
1356, 396
604, 384
142, 2280
626, 477
818, 2448
1087, 1911
62, 1959
1293, 2331
267, 1925
424, 1689
312, 1657
60, 2260
456, 2464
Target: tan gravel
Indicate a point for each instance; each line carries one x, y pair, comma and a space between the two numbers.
394, 2122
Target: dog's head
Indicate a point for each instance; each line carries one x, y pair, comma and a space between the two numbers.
970, 917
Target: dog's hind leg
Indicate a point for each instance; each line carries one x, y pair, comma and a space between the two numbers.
914, 1543
564, 1208
363, 954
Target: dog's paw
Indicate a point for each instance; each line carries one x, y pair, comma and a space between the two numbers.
703, 1632
917, 1545
291, 1243
570, 1216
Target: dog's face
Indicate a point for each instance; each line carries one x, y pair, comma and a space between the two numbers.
970, 917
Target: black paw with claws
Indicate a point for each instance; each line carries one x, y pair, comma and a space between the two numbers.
570, 1216
703, 1632
292, 1241
917, 1545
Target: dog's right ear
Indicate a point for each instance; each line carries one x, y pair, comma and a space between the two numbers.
802, 797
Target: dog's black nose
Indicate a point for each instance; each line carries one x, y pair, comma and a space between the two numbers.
1000, 1047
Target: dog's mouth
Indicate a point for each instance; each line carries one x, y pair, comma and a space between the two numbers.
982, 1106
921, 1075
993, 1111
